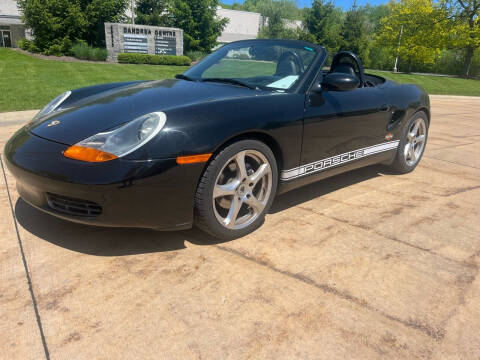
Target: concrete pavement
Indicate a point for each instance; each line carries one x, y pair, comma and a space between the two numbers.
364, 265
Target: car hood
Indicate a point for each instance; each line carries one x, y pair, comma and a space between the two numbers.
92, 114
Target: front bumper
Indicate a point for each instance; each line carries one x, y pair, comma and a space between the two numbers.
156, 194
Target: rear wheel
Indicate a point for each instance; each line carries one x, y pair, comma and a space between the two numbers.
236, 190
412, 144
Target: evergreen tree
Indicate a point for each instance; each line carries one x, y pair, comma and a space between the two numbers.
324, 21
353, 33
152, 12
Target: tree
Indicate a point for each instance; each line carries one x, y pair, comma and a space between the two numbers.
277, 12
234, 6
375, 56
373, 15
418, 23
152, 12
354, 32
465, 27
59, 23
324, 21
97, 13
251, 5
53, 20
198, 19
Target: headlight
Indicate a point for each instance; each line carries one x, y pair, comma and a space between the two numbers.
118, 142
52, 105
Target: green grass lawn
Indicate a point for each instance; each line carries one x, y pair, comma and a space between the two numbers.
30, 83
439, 85
241, 68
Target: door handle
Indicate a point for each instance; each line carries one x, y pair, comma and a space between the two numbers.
384, 108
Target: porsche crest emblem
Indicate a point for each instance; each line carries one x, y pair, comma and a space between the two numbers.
53, 123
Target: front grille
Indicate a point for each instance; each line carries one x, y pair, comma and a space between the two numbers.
72, 206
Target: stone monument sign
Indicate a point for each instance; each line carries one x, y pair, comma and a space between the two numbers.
142, 39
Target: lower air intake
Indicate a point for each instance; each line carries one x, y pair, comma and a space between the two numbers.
72, 206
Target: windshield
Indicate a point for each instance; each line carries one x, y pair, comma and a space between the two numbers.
267, 65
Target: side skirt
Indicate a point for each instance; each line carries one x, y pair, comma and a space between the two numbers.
309, 173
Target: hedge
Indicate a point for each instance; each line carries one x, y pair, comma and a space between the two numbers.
85, 52
28, 45
196, 55
129, 58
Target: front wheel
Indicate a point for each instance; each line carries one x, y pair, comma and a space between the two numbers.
412, 144
236, 190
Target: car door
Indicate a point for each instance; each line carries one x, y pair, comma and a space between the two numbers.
340, 125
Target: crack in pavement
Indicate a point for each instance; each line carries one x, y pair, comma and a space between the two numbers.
406, 243
436, 334
25, 265
450, 146
452, 114
451, 162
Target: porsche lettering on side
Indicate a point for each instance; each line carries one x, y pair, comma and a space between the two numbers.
214, 146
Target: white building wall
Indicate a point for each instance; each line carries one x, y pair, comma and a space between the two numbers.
293, 24
9, 8
242, 25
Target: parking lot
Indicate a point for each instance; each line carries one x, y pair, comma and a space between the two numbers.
363, 265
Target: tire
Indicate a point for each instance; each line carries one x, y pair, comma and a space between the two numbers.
405, 161
231, 200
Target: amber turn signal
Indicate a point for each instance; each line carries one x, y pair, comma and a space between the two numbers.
88, 154
192, 159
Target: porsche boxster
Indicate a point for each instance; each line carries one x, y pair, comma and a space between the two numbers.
213, 146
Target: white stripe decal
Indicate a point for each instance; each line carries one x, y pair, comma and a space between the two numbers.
327, 163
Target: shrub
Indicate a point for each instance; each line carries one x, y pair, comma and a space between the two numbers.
80, 51
66, 45
24, 44
81, 42
28, 45
83, 51
33, 48
91, 54
55, 49
196, 55
130, 58
98, 54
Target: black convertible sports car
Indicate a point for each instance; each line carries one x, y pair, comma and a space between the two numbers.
215, 145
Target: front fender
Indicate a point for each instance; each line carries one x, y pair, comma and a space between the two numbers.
202, 128
405, 100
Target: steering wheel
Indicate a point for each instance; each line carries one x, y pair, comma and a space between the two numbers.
296, 58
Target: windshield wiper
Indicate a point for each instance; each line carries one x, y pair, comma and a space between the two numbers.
230, 81
184, 77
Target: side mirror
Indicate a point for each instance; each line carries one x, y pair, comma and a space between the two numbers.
340, 82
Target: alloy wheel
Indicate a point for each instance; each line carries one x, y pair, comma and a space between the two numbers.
242, 189
415, 144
